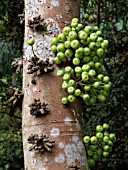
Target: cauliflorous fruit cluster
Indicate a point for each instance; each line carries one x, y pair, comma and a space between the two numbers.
84, 48
100, 145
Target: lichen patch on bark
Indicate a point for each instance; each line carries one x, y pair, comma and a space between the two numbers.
55, 132
60, 158
55, 3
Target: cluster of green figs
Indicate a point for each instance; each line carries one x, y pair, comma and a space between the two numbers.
83, 49
99, 145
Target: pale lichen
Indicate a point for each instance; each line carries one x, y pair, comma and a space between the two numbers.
55, 3
67, 121
55, 132
60, 158
33, 162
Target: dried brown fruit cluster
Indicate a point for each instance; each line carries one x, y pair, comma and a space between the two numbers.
16, 95
39, 65
17, 64
40, 143
37, 109
37, 24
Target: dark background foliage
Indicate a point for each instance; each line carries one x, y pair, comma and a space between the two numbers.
11, 42
113, 22
112, 18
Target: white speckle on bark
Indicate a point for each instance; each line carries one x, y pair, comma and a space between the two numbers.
67, 120
80, 146
75, 115
41, 1
44, 164
59, 16
61, 145
43, 168
75, 138
33, 123
45, 159
25, 129
27, 51
32, 9
32, 154
84, 161
55, 132
54, 3
26, 108
33, 161
27, 91
78, 125
25, 153
34, 89
72, 154
60, 158
54, 28
42, 45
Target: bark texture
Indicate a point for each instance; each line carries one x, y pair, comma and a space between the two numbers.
63, 124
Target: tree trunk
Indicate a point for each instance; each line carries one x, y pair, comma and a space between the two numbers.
63, 124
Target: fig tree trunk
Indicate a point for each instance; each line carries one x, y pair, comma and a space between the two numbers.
43, 93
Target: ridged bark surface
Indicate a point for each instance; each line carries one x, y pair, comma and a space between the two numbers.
63, 124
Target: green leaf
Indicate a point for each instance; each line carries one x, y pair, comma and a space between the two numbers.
119, 25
